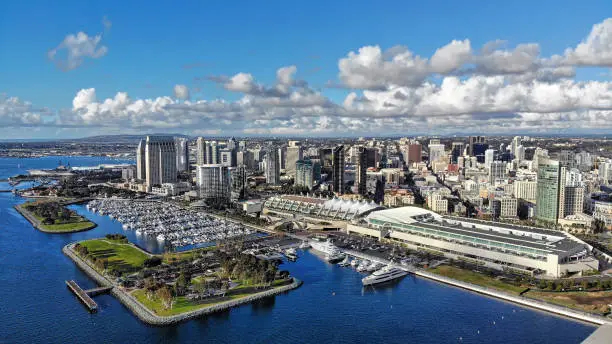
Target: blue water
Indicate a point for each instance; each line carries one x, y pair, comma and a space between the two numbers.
330, 307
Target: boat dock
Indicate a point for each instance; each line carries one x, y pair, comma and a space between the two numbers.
86, 295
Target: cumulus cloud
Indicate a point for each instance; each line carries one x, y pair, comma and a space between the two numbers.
17, 113
181, 92
595, 50
74, 49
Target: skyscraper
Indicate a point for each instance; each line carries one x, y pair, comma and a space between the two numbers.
213, 181
497, 172
294, 153
550, 203
478, 150
360, 170
489, 157
272, 166
414, 153
141, 167
182, 154
436, 151
338, 169
516, 141
160, 160
201, 151
472, 140
304, 174
456, 151
574, 198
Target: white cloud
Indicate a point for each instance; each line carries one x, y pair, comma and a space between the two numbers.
181, 92
451, 57
15, 112
74, 49
595, 50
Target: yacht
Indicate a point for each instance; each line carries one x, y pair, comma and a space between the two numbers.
291, 254
161, 237
388, 273
373, 267
304, 245
354, 263
331, 252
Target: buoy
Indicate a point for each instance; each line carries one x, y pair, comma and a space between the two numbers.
334, 293
493, 322
478, 331
502, 317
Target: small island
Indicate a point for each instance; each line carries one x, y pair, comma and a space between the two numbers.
53, 217
169, 288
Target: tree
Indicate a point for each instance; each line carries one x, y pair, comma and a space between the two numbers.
598, 226
165, 297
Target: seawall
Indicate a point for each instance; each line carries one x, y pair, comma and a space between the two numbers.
36, 223
540, 305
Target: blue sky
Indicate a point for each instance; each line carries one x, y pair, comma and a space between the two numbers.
150, 44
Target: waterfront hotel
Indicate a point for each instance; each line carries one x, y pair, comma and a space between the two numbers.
518, 249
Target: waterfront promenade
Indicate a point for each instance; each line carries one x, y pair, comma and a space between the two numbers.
523, 301
146, 315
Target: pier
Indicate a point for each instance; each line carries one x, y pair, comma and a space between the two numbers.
86, 295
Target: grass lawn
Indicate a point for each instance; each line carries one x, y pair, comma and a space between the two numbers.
186, 255
475, 278
68, 227
121, 257
587, 301
181, 304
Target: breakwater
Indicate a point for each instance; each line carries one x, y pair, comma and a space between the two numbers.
36, 223
540, 305
147, 316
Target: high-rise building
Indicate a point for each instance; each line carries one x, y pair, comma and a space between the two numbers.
497, 172
325, 156
160, 160
182, 154
141, 167
524, 189
516, 141
478, 150
604, 171
574, 198
272, 172
226, 157
489, 157
520, 153
472, 140
538, 154
414, 153
508, 207
360, 170
567, 158
232, 144
238, 182
213, 153
550, 204
436, 152
213, 181
305, 175
457, 151
201, 151
573, 177
294, 153
338, 169
372, 157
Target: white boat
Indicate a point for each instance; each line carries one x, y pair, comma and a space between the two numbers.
373, 267
363, 267
354, 262
304, 245
161, 237
331, 252
388, 273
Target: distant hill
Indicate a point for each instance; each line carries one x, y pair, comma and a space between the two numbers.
117, 138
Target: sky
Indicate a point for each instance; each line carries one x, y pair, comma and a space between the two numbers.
305, 69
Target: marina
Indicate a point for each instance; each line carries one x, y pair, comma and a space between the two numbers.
168, 223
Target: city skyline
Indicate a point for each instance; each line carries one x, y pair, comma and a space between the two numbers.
99, 73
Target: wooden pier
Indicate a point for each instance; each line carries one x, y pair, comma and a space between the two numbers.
84, 295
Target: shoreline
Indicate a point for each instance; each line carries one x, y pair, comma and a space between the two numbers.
147, 316
523, 302
36, 224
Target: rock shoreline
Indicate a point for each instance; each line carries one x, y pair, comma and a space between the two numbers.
148, 317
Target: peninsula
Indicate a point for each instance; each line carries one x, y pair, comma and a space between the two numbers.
53, 217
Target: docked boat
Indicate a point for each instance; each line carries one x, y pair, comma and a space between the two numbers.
304, 245
388, 273
291, 254
354, 263
345, 262
331, 252
363, 267
161, 237
373, 267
